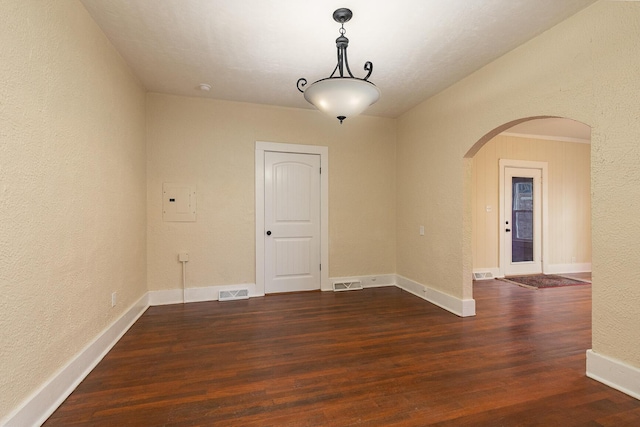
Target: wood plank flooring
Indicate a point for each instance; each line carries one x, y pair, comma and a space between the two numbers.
377, 357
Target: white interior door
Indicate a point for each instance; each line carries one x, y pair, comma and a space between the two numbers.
522, 228
292, 222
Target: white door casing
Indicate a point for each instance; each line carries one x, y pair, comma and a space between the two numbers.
537, 171
289, 271
292, 222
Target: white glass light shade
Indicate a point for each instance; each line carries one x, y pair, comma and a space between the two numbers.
342, 96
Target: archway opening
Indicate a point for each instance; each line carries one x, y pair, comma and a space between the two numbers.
561, 148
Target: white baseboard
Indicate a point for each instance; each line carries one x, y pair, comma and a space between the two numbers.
462, 308
372, 281
208, 293
164, 297
568, 268
614, 373
584, 267
35, 410
457, 306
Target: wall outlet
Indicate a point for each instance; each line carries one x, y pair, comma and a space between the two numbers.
183, 257
422, 230
114, 299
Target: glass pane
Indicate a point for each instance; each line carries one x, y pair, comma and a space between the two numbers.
522, 220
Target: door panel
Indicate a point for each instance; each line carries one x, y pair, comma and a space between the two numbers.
292, 222
522, 219
523, 226
293, 256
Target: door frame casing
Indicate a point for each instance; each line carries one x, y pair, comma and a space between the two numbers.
261, 148
524, 164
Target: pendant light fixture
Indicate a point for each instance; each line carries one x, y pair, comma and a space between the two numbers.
341, 95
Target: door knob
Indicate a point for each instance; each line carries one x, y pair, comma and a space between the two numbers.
269, 233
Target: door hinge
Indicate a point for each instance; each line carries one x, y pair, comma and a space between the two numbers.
320, 171
320, 267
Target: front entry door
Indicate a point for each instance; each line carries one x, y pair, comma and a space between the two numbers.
292, 222
522, 221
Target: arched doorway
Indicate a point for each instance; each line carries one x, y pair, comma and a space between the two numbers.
560, 148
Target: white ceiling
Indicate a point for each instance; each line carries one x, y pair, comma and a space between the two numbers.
256, 50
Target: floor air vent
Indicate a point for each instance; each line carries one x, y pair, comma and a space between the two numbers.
232, 295
482, 275
347, 286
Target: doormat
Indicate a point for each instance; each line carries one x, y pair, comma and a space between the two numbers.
540, 281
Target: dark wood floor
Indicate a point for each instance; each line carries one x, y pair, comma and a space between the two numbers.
376, 357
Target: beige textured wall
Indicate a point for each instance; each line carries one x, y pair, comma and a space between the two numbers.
586, 68
72, 185
569, 198
211, 144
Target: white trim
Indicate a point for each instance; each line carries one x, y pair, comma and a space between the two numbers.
165, 297
568, 268
525, 164
206, 293
35, 410
371, 281
261, 147
457, 306
584, 267
614, 373
548, 138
